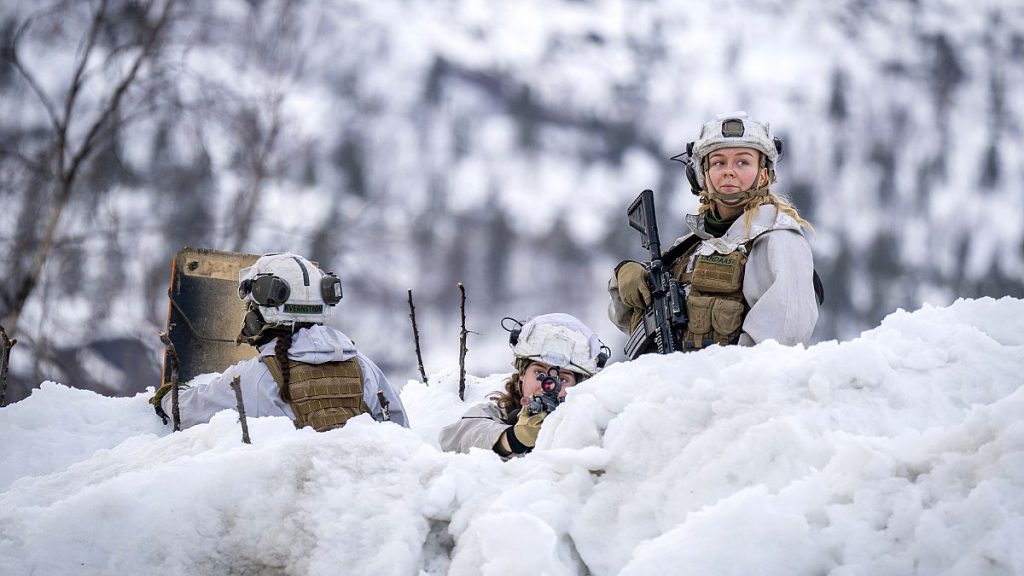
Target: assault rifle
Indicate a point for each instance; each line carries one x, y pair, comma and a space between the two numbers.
666, 316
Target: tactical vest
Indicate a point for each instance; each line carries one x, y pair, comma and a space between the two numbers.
323, 396
715, 307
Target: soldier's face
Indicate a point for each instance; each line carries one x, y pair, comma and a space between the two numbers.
733, 171
535, 374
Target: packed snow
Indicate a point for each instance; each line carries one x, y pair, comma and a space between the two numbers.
898, 452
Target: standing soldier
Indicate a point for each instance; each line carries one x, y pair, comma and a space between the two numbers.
745, 266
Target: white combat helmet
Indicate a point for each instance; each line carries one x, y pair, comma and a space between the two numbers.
559, 340
286, 289
732, 130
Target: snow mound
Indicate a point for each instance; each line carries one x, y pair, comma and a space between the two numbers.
899, 452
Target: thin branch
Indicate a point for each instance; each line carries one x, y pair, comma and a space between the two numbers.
119, 92
416, 339
462, 346
172, 363
236, 386
76, 85
32, 82
249, 199
5, 356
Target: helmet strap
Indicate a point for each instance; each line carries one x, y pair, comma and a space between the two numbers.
746, 195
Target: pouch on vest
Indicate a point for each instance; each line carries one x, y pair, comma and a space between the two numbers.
715, 304
323, 396
719, 273
713, 320
727, 320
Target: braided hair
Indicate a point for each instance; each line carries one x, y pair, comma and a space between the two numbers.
284, 343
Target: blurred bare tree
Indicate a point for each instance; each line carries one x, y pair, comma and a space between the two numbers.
83, 73
77, 127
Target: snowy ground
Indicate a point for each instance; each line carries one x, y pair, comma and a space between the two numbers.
900, 452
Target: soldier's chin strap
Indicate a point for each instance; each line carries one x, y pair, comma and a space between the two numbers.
739, 198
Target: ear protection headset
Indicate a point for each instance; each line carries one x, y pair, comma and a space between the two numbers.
270, 290
513, 332
269, 297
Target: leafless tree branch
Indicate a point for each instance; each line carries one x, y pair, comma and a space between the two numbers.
30, 78
236, 386
172, 363
462, 345
5, 356
416, 339
66, 173
249, 198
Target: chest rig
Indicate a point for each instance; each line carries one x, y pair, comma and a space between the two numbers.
714, 305
323, 396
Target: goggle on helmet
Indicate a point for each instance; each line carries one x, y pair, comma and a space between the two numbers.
288, 289
558, 340
734, 130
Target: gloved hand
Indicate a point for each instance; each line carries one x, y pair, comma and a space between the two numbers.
159, 396
160, 393
523, 435
633, 290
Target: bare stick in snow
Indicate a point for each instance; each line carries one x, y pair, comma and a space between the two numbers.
5, 356
241, 409
462, 346
416, 339
172, 361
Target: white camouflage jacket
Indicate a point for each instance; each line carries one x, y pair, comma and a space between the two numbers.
260, 396
479, 427
777, 278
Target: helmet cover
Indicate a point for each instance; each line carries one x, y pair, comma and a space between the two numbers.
561, 340
288, 289
733, 130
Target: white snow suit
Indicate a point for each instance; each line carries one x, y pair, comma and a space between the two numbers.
479, 427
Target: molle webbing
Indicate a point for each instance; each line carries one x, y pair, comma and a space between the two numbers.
323, 396
715, 304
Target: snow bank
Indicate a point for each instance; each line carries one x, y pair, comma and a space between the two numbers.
900, 452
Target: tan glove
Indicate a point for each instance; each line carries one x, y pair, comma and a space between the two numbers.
632, 283
159, 395
522, 437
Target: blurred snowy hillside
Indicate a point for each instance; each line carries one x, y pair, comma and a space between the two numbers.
414, 145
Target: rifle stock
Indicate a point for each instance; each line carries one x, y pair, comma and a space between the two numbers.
666, 316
